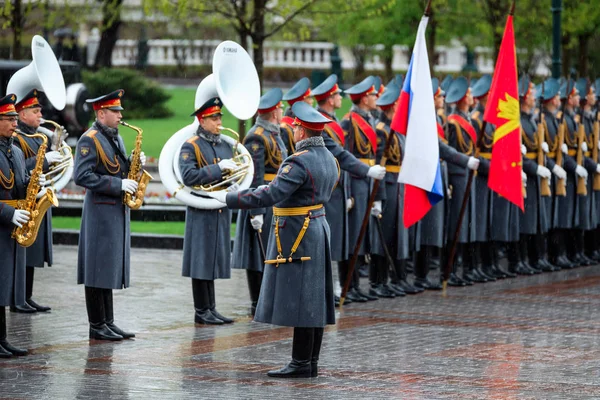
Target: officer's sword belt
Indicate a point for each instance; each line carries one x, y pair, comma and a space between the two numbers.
292, 212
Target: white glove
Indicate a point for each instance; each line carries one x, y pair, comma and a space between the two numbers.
227, 164
20, 217
376, 210
233, 188
524, 178
220, 195
545, 147
143, 158
584, 147
350, 202
543, 172
523, 149
53, 157
129, 185
581, 172
257, 222
473, 163
559, 172
598, 169
376, 172
564, 148
42, 181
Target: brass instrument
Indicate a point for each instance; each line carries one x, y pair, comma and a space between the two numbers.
544, 182
236, 176
561, 184
37, 208
596, 136
581, 182
136, 173
60, 173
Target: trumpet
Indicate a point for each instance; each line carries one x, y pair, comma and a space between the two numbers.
230, 177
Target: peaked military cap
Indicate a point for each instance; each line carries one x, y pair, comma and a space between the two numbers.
399, 80
567, 85
30, 100
111, 101
538, 91
472, 82
379, 88
308, 117
298, 92
208, 109
389, 96
597, 87
482, 86
435, 86
446, 83
7, 105
270, 101
583, 86
365, 87
327, 88
457, 90
551, 88
524, 85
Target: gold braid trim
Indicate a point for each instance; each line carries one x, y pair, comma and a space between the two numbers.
272, 151
27, 150
7, 183
570, 138
290, 135
199, 157
464, 148
112, 168
530, 144
333, 135
362, 146
552, 144
394, 156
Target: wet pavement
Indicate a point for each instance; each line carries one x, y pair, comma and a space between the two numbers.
527, 338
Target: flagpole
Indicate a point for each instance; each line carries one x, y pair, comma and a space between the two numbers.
465, 202
365, 222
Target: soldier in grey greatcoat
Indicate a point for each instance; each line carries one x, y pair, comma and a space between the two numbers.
13, 186
297, 290
204, 159
328, 96
268, 151
361, 141
40, 252
462, 137
102, 167
299, 92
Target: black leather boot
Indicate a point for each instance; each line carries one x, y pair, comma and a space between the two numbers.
26, 308
524, 253
302, 347
29, 274
94, 301
401, 281
213, 305
377, 277
254, 283
6, 349
109, 317
316, 350
203, 314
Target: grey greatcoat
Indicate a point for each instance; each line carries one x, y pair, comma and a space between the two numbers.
207, 241
533, 220
268, 151
460, 140
337, 215
40, 251
392, 225
358, 144
551, 132
587, 213
298, 294
566, 210
483, 194
104, 240
12, 256
287, 131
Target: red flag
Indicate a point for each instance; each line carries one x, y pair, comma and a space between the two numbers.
503, 111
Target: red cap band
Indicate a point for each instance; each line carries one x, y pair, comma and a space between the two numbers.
99, 105
297, 99
357, 96
315, 126
268, 110
330, 92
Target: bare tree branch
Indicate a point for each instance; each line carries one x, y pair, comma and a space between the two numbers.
290, 17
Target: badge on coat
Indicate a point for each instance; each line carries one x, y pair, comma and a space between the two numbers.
286, 169
84, 151
255, 147
185, 156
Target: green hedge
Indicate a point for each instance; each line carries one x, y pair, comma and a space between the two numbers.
143, 97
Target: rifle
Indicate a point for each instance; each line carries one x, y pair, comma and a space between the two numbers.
596, 136
544, 182
581, 182
561, 184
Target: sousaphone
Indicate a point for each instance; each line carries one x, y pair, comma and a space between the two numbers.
235, 81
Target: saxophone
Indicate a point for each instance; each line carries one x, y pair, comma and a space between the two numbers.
136, 173
37, 208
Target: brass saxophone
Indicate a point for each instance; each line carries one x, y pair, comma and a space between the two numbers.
136, 173
37, 208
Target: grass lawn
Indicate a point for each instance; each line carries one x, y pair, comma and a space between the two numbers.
167, 228
158, 131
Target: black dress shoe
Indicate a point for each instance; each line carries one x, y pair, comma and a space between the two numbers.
381, 291
295, 369
221, 317
498, 272
563, 263
365, 295
23, 309
543, 266
119, 331
355, 297
314, 369
454, 280
394, 289
103, 332
37, 307
473, 276
482, 272
427, 284
15, 351
586, 260
206, 317
407, 287
520, 269
5, 353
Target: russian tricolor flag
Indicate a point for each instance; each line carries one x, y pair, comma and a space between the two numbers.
415, 117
